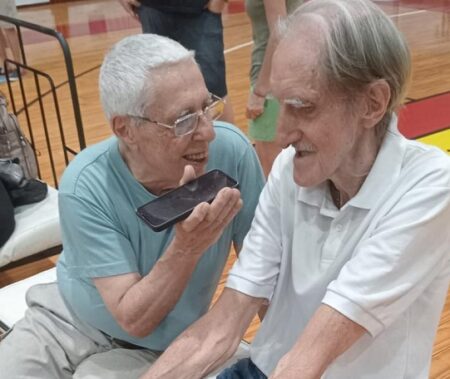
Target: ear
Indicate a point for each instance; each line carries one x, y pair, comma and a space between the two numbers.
377, 96
123, 130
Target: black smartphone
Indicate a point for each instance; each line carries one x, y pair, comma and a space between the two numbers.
178, 203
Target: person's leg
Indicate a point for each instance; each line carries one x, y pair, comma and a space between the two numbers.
267, 152
262, 131
203, 33
243, 369
12, 41
155, 21
7, 222
47, 342
228, 112
116, 364
3, 45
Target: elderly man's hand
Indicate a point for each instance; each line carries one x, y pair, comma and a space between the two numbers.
207, 221
255, 106
130, 7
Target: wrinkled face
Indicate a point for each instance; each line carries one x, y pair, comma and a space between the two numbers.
178, 90
316, 121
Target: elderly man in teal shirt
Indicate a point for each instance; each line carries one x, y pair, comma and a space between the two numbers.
125, 292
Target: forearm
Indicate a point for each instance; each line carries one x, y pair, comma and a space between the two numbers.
145, 304
210, 341
327, 336
274, 11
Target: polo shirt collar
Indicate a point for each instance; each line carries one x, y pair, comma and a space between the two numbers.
382, 175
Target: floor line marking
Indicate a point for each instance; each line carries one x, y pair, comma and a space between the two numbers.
249, 43
237, 47
408, 13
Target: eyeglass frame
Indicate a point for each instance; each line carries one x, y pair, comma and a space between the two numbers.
216, 99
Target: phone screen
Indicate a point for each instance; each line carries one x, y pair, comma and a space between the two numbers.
178, 204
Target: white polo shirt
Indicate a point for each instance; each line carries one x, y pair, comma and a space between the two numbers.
382, 261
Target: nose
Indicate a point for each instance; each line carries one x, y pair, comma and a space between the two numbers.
205, 130
287, 132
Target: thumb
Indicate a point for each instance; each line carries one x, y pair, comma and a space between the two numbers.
188, 174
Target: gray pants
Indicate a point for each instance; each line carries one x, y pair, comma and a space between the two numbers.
50, 342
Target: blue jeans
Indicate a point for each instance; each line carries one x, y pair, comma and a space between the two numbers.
201, 32
243, 369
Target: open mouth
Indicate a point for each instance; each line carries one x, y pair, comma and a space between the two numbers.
304, 153
196, 158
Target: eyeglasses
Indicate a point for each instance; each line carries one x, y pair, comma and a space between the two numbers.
187, 124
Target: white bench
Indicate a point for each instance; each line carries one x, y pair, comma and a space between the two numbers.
37, 229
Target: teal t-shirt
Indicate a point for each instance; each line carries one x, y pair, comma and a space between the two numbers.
102, 236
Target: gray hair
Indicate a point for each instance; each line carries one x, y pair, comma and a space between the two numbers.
125, 76
361, 45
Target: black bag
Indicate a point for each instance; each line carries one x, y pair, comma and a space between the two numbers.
21, 191
18, 166
13, 144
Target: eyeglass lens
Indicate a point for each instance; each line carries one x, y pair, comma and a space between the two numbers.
187, 124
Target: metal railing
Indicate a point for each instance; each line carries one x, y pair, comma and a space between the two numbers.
39, 75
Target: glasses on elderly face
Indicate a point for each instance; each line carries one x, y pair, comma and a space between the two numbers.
187, 124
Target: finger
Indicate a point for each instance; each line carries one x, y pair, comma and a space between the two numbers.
222, 206
218, 226
129, 10
197, 216
227, 217
253, 115
188, 175
258, 112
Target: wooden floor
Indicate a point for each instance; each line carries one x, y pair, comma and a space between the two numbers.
91, 27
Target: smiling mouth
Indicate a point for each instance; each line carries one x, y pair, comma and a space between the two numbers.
196, 158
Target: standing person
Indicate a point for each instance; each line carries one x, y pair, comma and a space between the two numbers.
197, 25
8, 40
350, 241
124, 292
262, 108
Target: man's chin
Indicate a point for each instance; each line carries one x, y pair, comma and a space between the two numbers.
200, 168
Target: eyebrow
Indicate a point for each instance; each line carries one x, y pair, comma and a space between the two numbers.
297, 102
187, 111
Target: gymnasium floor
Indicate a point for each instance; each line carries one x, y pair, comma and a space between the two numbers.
91, 27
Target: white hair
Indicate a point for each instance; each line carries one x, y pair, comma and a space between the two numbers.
360, 45
126, 73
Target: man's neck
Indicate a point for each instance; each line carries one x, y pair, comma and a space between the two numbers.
147, 177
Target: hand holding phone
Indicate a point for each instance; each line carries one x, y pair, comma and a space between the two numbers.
176, 205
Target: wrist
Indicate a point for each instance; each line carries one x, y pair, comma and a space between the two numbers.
258, 93
181, 251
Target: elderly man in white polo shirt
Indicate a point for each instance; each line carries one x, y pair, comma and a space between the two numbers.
350, 241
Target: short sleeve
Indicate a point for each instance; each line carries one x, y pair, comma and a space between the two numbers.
256, 270
94, 246
407, 250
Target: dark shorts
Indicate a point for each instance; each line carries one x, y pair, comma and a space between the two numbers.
243, 369
201, 32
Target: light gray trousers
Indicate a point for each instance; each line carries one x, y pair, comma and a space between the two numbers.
49, 342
